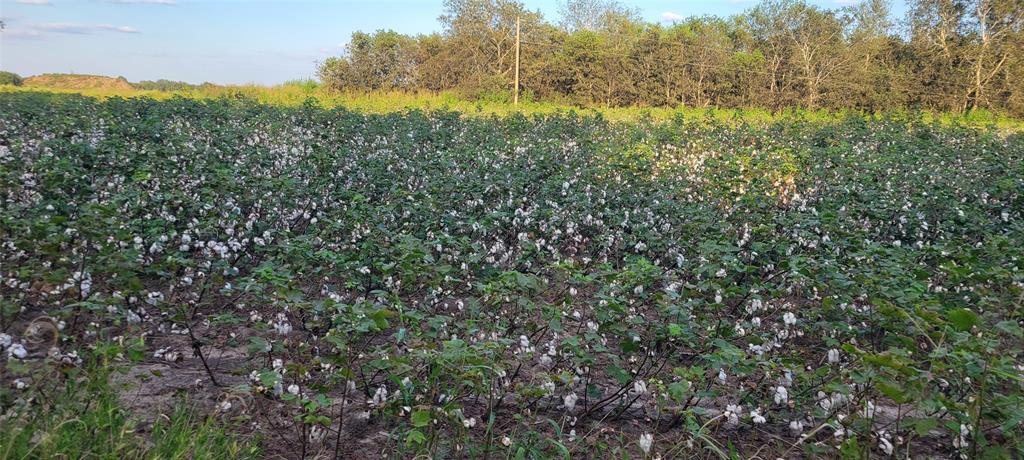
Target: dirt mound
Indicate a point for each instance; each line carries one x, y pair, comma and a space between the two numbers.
75, 81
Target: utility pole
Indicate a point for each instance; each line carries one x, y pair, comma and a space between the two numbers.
515, 94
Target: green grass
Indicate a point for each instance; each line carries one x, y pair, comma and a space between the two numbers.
81, 417
187, 434
297, 93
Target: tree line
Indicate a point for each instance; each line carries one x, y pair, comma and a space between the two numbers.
948, 55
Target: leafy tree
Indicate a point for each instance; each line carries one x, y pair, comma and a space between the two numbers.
9, 78
953, 55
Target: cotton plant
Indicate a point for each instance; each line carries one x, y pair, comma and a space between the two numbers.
571, 270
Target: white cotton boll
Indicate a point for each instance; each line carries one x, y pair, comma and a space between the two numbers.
639, 387
646, 441
833, 356
796, 427
824, 401
5, 341
962, 440
721, 376
869, 410
293, 389
789, 318
732, 414
781, 395
885, 445
132, 318
379, 397
756, 417
569, 401
17, 351
282, 326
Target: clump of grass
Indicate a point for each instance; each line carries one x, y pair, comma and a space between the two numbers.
78, 415
188, 434
81, 419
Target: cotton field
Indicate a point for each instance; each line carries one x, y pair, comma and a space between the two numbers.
329, 284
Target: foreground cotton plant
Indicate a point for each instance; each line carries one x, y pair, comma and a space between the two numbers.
435, 273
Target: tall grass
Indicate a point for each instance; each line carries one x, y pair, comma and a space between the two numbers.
79, 415
301, 92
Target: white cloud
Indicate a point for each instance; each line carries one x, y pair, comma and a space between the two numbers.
35, 2
82, 29
671, 17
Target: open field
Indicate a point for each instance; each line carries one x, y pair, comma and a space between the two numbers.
214, 277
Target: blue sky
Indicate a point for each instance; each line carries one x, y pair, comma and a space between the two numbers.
230, 41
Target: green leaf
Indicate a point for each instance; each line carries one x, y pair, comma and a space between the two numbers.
415, 437
923, 425
963, 319
893, 391
1010, 327
257, 345
628, 345
269, 378
421, 418
618, 373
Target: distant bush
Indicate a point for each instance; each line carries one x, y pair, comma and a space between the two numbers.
164, 85
10, 78
307, 85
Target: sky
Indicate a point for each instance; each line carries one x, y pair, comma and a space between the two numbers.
237, 42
